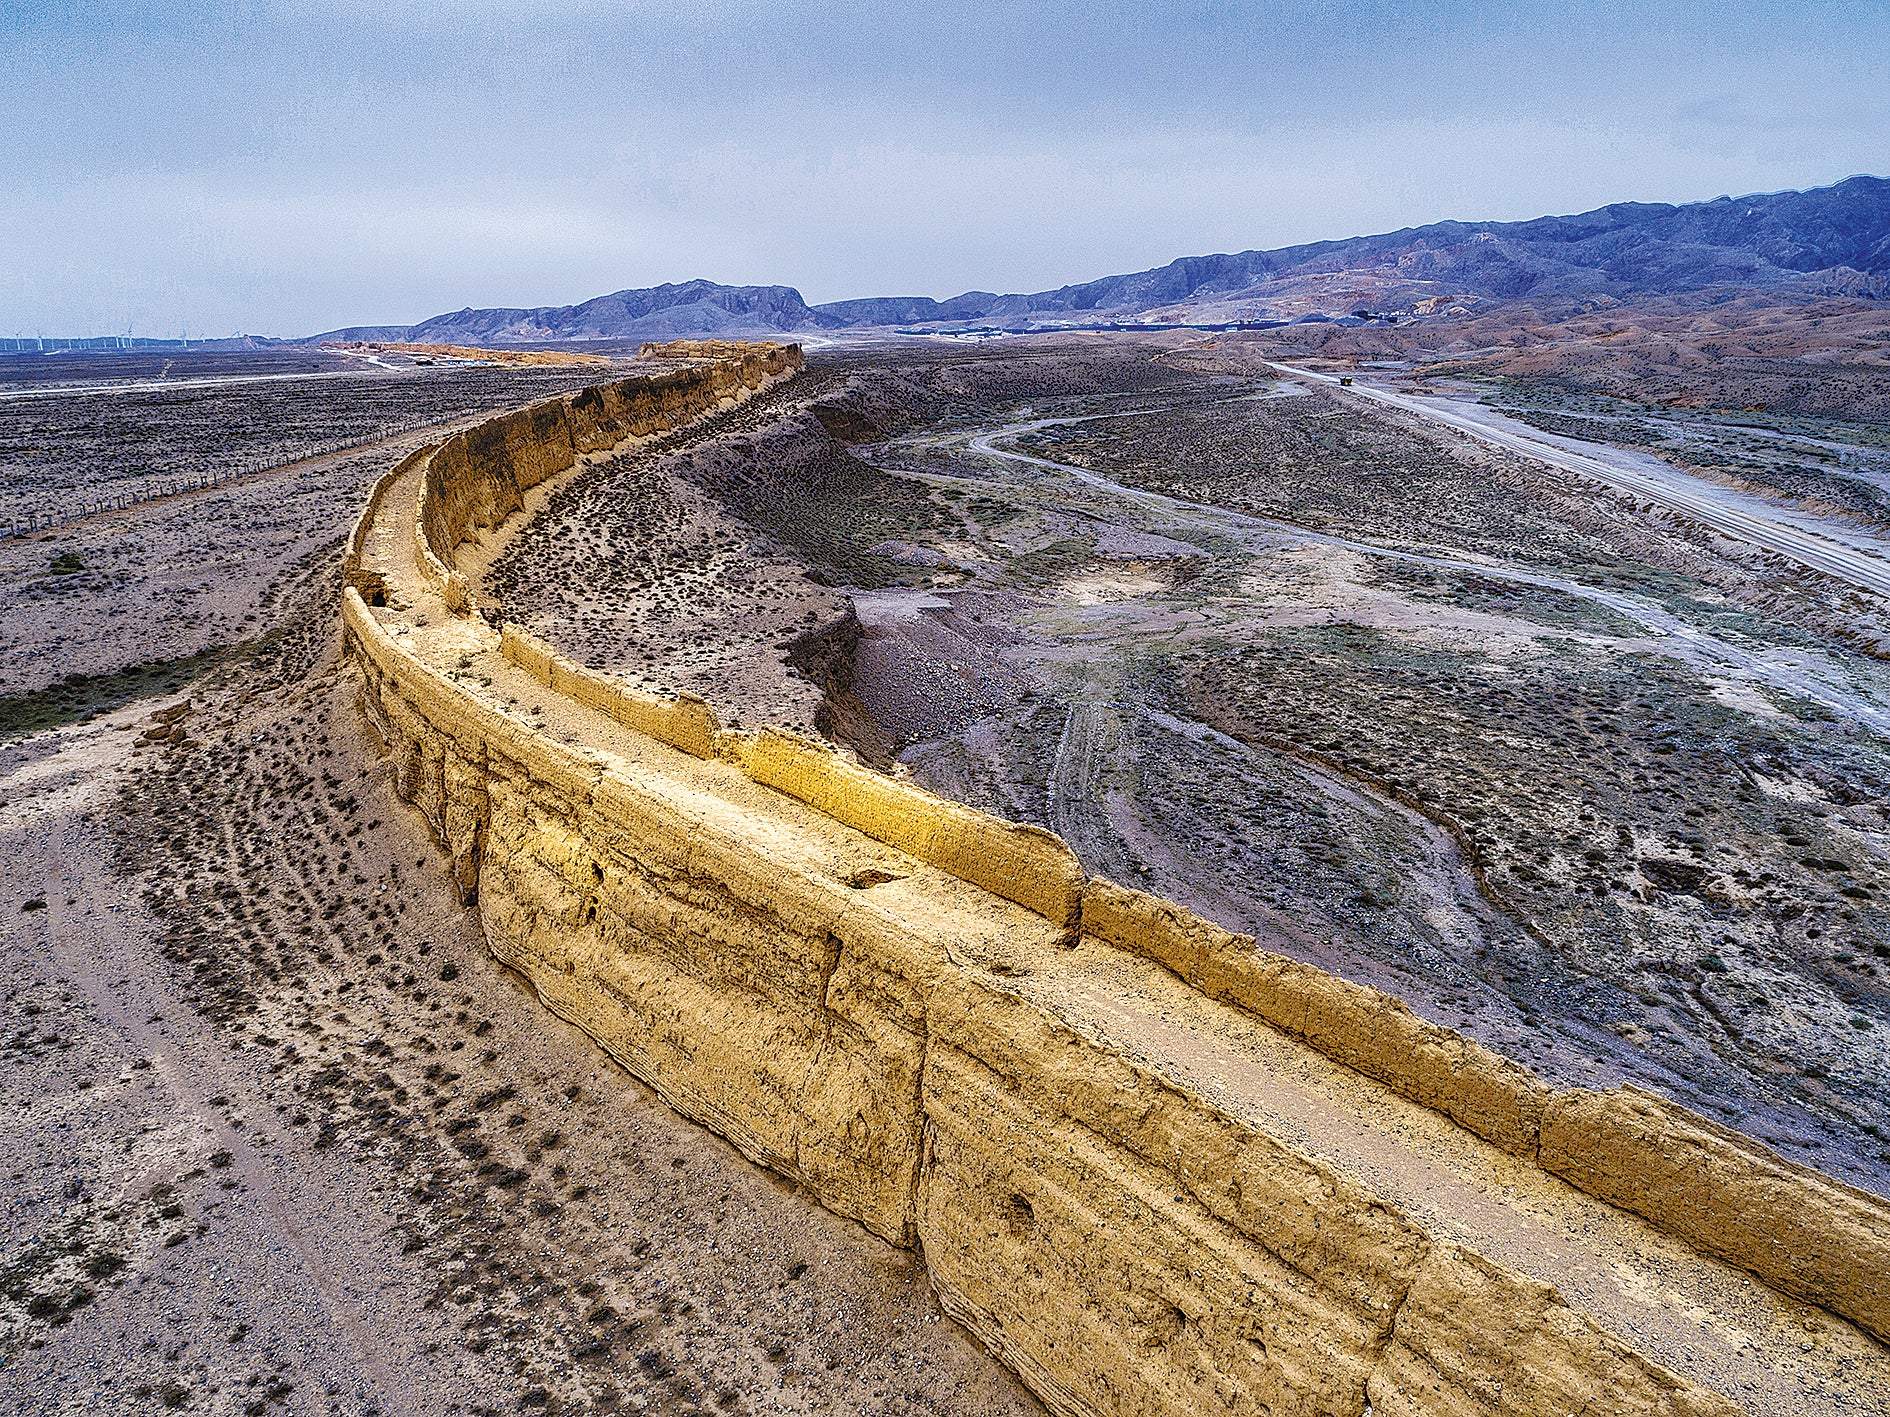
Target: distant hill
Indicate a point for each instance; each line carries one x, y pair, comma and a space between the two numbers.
696, 307
1831, 240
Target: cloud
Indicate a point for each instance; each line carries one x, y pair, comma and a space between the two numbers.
289, 167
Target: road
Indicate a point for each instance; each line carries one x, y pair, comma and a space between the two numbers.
1832, 550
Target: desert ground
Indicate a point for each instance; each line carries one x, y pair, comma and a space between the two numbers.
1563, 769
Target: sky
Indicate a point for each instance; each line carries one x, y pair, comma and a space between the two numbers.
284, 168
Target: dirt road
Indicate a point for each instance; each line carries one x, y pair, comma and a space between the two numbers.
1667, 632
1841, 552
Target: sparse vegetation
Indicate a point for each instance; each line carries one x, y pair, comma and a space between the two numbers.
1684, 877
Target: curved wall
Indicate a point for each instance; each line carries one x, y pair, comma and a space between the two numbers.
736, 935
1723, 1193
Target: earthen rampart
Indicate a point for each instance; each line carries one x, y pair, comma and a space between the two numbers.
478, 477
1721, 1192
820, 963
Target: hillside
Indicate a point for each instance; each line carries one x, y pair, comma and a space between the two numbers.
1828, 241
1833, 240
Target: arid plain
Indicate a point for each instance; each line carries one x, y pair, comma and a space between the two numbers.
1566, 769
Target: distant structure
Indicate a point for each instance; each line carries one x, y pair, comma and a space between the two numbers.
40, 344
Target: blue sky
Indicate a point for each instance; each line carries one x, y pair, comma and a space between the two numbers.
281, 168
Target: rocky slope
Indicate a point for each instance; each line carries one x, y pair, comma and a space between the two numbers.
693, 308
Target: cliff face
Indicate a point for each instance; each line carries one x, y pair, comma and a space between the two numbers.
831, 969
1805, 1232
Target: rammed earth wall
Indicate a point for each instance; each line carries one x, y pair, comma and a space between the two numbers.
1721, 1192
1123, 1244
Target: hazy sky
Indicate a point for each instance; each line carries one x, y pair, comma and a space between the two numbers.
282, 168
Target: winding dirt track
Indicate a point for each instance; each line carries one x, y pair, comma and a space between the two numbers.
165, 386
1667, 632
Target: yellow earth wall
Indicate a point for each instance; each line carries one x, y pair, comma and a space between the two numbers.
478, 477
1722, 1193
1024, 864
684, 722
1122, 1244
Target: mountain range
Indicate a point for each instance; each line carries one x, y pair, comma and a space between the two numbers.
1827, 241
